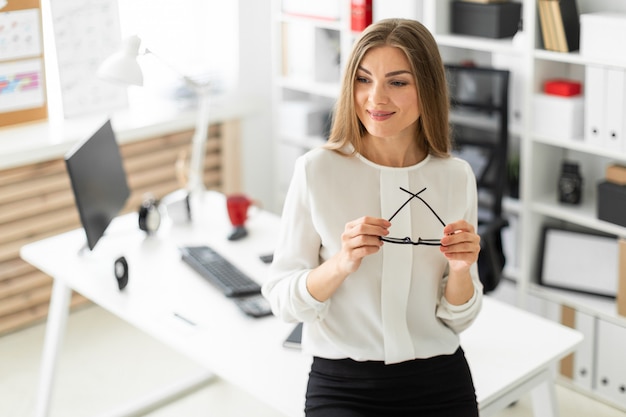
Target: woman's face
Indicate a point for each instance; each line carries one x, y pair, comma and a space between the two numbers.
385, 93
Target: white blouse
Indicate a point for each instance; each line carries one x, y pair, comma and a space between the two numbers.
392, 308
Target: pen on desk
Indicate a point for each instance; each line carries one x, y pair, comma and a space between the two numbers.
186, 320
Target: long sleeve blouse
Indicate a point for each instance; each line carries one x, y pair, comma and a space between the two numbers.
393, 307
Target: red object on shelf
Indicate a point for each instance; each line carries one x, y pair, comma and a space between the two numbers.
361, 14
560, 87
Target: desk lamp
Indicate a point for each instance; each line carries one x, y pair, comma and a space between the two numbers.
122, 67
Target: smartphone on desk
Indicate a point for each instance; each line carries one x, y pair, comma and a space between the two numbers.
295, 338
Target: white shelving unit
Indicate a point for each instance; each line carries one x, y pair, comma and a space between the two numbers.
540, 160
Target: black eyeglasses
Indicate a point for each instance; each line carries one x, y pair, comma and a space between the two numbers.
407, 240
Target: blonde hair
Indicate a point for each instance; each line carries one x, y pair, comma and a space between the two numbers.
423, 55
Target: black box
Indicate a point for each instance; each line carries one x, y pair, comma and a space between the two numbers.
491, 20
612, 203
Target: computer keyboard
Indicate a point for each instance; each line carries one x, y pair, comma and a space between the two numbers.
219, 271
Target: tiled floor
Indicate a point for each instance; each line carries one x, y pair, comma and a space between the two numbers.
105, 362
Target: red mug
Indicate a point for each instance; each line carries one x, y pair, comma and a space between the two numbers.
237, 206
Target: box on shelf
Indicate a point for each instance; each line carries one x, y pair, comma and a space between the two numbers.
490, 20
602, 34
303, 118
562, 87
616, 174
558, 117
612, 203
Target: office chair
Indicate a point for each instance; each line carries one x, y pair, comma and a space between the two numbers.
479, 126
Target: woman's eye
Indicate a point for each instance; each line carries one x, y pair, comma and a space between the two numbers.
399, 83
361, 80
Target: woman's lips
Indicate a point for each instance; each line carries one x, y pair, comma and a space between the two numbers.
380, 116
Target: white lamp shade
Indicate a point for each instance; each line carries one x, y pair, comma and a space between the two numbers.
122, 66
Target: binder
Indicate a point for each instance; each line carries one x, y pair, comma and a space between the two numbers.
360, 14
594, 105
605, 106
568, 24
579, 366
615, 109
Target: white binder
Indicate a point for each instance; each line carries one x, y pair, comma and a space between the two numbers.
584, 356
595, 87
605, 107
615, 109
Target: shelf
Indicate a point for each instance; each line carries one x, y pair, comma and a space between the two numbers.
324, 23
576, 58
580, 146
583, 215
329, 90
474, 119
479, 44
594, 305
511, 205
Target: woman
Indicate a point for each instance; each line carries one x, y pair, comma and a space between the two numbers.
377, 249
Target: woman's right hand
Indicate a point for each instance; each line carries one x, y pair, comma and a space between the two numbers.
360, 238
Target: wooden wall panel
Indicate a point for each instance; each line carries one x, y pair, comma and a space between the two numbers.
36, 201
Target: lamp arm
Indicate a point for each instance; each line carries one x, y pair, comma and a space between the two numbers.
195, 181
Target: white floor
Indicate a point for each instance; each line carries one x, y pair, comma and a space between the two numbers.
105, 362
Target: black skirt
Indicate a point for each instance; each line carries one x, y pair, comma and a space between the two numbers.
433, 387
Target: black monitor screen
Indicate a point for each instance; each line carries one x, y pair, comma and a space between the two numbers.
98, 181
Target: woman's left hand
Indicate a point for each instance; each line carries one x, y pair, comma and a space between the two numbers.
460, 245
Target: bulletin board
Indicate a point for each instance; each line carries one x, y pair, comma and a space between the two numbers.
22, 76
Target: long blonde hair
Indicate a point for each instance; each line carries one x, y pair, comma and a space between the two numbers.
423, 55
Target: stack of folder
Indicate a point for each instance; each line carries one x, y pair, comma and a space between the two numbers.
560, 25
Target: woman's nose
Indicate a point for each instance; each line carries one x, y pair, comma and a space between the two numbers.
378, 93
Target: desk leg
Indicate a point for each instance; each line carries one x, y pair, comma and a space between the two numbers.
544, 397
55, 330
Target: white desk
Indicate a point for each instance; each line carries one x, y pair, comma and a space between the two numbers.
510, 351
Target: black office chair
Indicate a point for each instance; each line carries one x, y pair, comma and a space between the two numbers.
479, 125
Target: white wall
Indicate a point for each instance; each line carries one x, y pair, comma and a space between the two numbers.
255, 80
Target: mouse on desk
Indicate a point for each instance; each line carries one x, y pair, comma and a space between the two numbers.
267, 258
120, 268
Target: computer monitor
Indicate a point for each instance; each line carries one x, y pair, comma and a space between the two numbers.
98, 180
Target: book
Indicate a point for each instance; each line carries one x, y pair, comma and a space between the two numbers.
560, 44
566, 24
570, 20
544, 19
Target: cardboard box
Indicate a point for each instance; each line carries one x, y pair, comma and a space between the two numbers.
616, 174
558, 117
612, 203
491, 20
602, 35
621, 285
